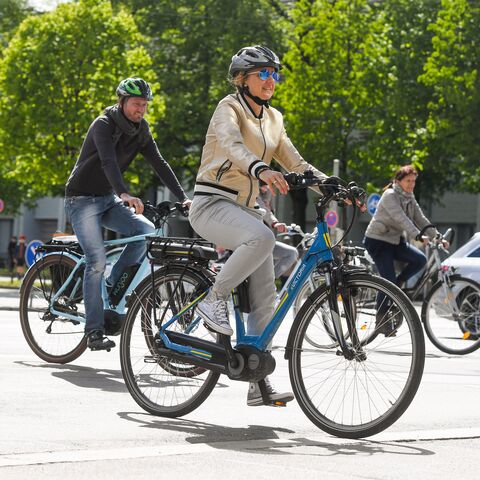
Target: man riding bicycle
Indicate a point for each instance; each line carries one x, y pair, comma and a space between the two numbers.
95, 195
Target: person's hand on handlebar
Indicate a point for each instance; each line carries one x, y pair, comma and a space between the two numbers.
281, 227
274, 180
133, 202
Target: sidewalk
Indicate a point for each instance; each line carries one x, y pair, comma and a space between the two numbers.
9, 298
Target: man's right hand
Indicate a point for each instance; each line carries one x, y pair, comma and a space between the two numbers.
133, 202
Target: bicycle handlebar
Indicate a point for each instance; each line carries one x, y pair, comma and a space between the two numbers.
333, 188
159, 214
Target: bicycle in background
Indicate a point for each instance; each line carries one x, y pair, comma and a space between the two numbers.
450, 306
52, 312
354, 384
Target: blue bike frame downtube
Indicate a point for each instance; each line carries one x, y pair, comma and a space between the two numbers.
318, 253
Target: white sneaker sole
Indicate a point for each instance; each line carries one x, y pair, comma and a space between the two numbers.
213, 325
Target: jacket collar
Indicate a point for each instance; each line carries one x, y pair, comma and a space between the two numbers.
246, 106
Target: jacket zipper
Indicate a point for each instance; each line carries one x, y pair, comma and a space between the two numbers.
263, 155
223, 169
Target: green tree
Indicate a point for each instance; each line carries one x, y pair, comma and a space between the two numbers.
334, 83
334, 80
192, 43
452, 72
12, 12
58, 72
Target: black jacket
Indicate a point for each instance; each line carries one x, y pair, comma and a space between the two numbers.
106, 154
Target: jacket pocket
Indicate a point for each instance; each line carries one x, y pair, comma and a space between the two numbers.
224, 167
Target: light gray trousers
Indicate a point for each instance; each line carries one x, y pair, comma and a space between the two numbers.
241, 230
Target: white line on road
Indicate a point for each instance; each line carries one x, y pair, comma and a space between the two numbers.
42, 458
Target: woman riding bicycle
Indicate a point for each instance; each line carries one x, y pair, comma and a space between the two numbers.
397, 218
243, 137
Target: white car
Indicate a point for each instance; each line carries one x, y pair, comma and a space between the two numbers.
466, 259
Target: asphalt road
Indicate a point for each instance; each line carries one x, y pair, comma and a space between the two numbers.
78, 421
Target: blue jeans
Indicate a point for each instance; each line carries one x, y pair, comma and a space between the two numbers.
384, 254
88, 214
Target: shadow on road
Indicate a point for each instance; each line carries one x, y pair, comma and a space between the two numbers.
266, 439
86, 377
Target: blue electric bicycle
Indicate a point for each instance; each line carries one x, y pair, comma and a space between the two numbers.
354, 382
52, 311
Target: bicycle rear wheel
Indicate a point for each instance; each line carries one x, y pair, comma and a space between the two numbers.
451, 315
365, 395
53, 338
160, 385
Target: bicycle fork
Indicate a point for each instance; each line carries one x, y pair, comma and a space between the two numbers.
353, 351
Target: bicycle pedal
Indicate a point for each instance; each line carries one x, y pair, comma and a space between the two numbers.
277, 403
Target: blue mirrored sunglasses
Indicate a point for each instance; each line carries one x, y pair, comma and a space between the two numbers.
264, 74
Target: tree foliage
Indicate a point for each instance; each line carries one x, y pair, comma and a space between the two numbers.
335, 79
59, 71
452, 73
375, 84
12, 12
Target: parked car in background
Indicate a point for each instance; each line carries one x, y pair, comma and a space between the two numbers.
466, 259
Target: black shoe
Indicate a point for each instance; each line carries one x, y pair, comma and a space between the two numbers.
96, 340
385, 324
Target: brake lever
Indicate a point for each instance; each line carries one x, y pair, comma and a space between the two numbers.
183, 209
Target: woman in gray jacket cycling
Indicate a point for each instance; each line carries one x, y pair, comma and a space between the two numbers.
243, 137
397, 219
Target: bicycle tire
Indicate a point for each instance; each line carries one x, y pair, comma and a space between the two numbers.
450, 333
359, 397
160, 385
52, 338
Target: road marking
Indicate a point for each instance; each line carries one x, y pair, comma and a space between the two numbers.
42, 458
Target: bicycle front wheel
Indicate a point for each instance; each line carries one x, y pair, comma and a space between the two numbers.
451, 315
52, 337
358, 397
160, 385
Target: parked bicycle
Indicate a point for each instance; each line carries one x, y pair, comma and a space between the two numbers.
450, 306
52, 313
354, 385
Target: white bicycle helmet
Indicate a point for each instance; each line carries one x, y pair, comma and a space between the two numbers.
253, 57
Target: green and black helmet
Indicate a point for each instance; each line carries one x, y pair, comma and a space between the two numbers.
135, 87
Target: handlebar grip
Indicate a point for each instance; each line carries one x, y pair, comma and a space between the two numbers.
423, 230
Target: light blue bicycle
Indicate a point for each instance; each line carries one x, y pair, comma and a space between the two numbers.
353, 383
52, 310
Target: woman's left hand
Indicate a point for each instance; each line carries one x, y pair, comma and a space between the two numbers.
274, 180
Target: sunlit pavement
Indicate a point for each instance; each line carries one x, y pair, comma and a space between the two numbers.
78, 420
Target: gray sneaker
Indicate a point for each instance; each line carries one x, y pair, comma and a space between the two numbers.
255, 399
214, 312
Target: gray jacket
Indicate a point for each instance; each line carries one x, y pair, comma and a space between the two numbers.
398, 215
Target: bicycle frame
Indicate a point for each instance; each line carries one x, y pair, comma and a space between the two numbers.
318, 253
80, 262
434, 264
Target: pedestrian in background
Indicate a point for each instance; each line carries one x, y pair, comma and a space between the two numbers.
12, 258
20, 251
